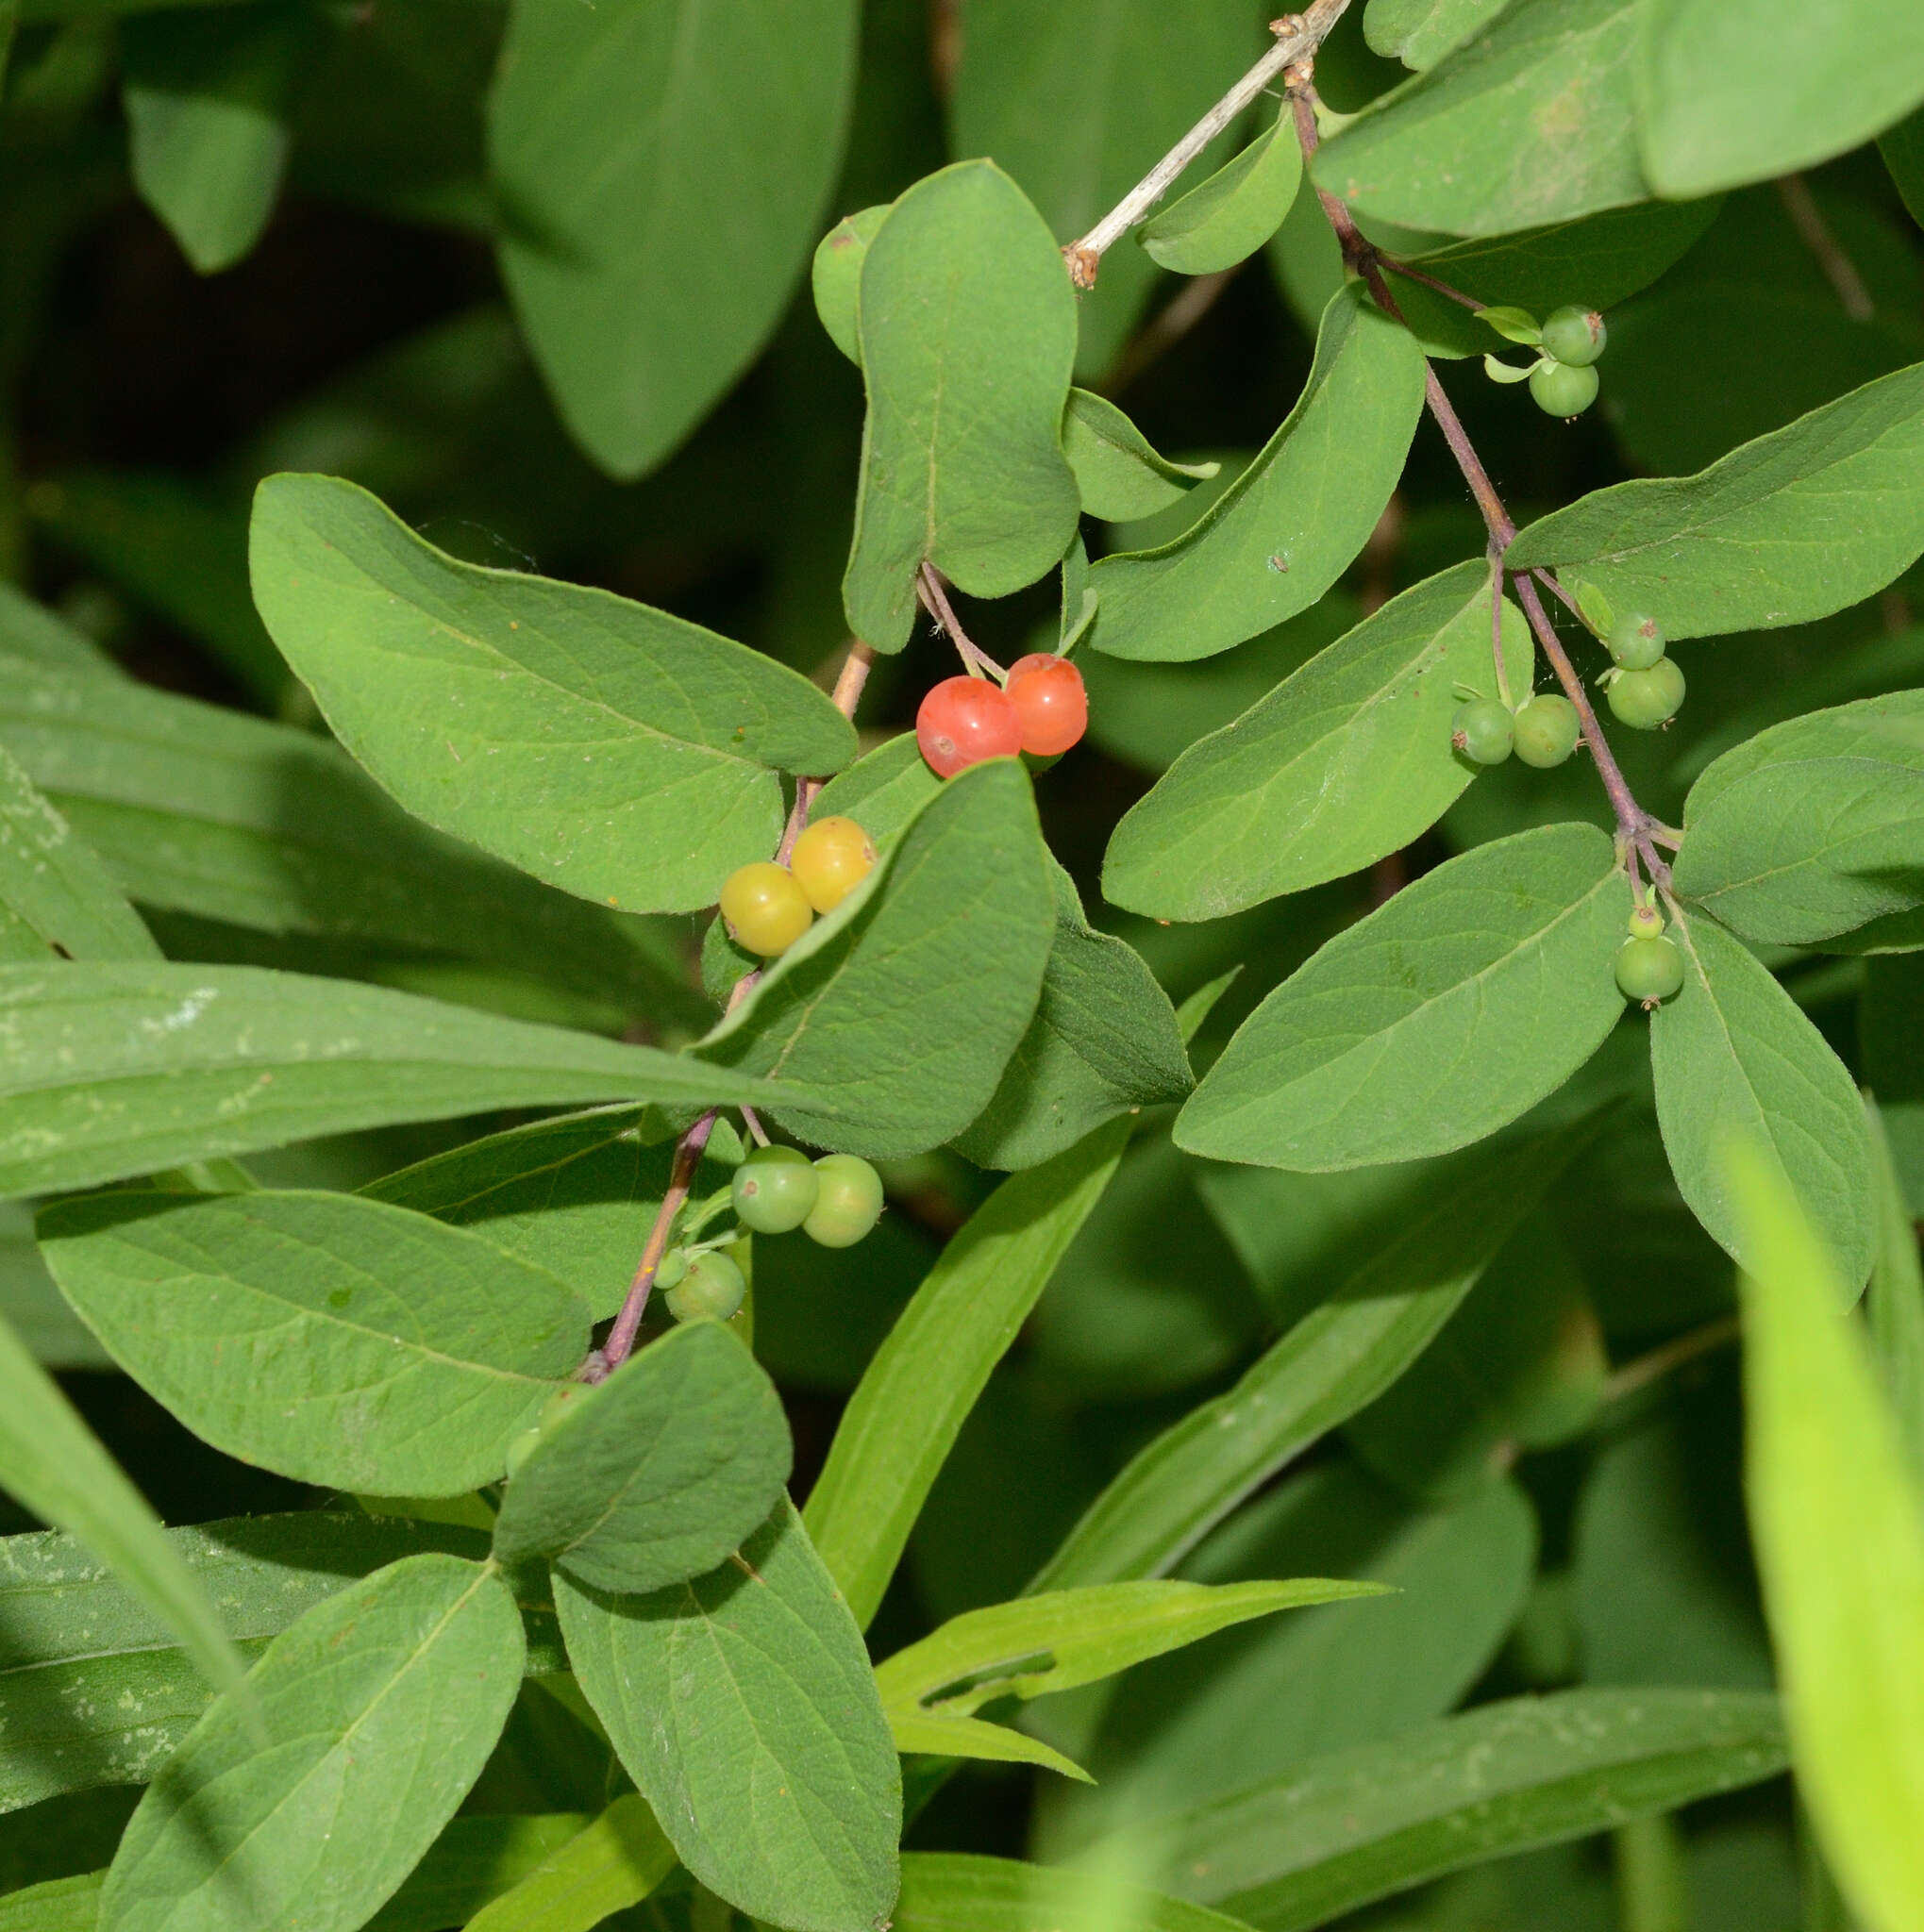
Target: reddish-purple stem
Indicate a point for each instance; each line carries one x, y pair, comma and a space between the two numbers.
934, 595
1442, 288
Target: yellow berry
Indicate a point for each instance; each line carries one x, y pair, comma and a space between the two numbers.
766, 910
830, 860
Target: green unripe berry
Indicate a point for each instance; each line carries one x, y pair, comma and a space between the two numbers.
1635, 641
775, 1189
1561, 389
519, 1450
849, 1204
1545, 730
559, 1403
1482, 731
1575, 336
711, 1290
1645, 923
1646, 699
1649, 970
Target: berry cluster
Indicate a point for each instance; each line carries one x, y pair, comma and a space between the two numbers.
1648, 966
1042, 709
1645, 688
1562, 379
769, 906
1542, 732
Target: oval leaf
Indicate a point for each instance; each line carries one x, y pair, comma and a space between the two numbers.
957, 1892
967, 327
743, 1706
1732, 548
332, 1339
835, 276
1447, 1013
655, 1476
613, 750
956, 919
1526, 123
1718, 105
1294, 520
115, 1070
381, 1707
1813, 827
1734, 1054
1346, 760
1227, 218
660, 172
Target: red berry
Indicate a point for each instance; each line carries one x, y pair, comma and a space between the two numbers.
964, 721
1049, 696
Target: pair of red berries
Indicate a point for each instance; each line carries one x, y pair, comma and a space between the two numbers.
1043, 709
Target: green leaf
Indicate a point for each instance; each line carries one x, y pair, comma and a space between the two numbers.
1359, 1824
956, 918
1838, 1519
61, 1905
661, 173
1527, 122
616, 1863
1420, 32
657, 1473
1895, 1300
200, 809
1103, 1042
333, 1340
31, 630
1038, 1646
1513, 324
1148, 714
52, 1461
56, 897
1734, 1054
1789, 527
1178, 1731
957, 1892
613, 750
1294, 520
835, 276
743, 1706
1447, 1013
115, 1070
1078, 100
475, 1860
1347, 759
1118, 473
1716, 104
903, 1419
99, 1690
381, 1706
1902, 148
1813, 827
881, 790
1335, 1360
1592, 262
968, 337
574, 1195
1227, 218
208, 93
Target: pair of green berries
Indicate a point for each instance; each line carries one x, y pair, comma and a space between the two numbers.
1648, 966
835, 1201
1542, 732
1645, 688
1563, 381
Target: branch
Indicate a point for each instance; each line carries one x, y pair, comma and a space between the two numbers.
1635, 826
1297, 37
603, 1361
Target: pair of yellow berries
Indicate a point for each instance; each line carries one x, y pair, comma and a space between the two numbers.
769, 906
